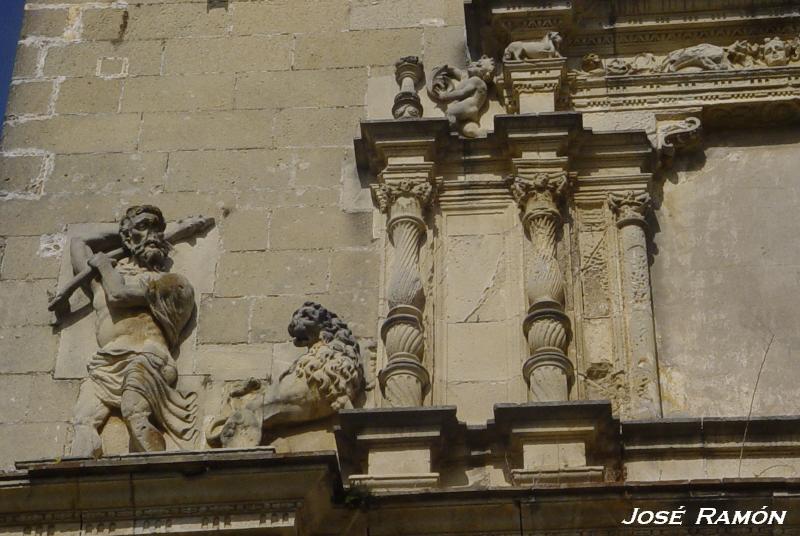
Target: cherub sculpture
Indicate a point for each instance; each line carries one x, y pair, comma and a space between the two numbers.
464, 92
327, 378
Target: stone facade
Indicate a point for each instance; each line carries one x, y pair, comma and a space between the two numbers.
521, 248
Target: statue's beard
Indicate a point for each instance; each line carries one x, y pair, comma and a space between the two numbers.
151, 253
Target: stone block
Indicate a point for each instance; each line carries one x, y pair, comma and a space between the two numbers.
333, 228
206, 130
288, 89
104, 24
358, 307
86, 59
15, 396
178, 93
32, 441
398, 461
229, 170
475, 400
44, 23
223, 320
271, 317
356, 48
17, 173
88, 95
477, 351
289, 17
26, 259
446, 45
355, 269
168, 21
29, 98
50, 214
228, 55
26, 61
372, 14
75, 134
274, 272
51, 400
306, 127
111, 172
234, 362
33, 294
27, 349
245, 230
320, 167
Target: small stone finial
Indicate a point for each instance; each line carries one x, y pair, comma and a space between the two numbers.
408, 73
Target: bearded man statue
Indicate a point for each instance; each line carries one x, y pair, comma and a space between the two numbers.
141, 311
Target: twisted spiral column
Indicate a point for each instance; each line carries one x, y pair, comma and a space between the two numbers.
629, 209
404, 381
548, 371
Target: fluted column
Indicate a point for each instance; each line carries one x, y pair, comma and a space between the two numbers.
404, 381
548, 371
630, 209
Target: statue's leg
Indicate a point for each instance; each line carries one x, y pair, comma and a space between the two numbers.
89, 416
136, 413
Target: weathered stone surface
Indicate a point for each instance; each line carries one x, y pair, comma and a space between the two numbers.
51, 400
25, 61
268, 17
270, 316
369, 14
33, 293
445, 46
206, 130
721, 275
229, 170
340, 230
355, 269
75, 134
223, 320
25, 258
354, 49
302, 127
110, 172
104, 24
337, 87
88, 95
17, 173
27, 349
33, 440
176, 20
29, 98
237, 362
274, 272
44, 22
246, 230
227, 55
15, 398
178, 93
84, 59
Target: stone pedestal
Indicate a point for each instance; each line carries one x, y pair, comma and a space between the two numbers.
532, 86
393, 449
554, 444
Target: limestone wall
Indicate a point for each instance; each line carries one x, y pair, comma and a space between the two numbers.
725, 277
240, 110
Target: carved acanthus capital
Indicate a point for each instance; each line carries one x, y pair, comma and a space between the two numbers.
540, 193
385, 195
629, 207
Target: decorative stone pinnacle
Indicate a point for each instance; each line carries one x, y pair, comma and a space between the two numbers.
629, 207
408, 72
384, 195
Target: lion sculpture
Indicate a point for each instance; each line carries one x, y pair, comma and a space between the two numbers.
546, 47
327, 378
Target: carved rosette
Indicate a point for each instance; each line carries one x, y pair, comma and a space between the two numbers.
548, 371
630, 209
404, 381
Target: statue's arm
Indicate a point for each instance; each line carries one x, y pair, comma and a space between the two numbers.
459, 93
118, 293
81, 248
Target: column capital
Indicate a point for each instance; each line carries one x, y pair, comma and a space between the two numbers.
386, 194
539, 193
630, 207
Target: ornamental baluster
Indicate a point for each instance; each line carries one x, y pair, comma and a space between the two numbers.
404, 381
629, 209
548, 371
